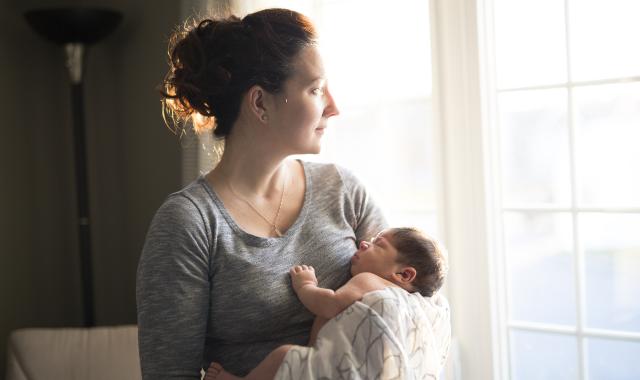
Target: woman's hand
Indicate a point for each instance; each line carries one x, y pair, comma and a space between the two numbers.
303, 275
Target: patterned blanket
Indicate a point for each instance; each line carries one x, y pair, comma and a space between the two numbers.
389, 334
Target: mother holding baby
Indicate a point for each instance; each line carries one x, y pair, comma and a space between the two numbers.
213, 279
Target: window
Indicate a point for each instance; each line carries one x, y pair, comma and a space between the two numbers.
385, 130
567, 117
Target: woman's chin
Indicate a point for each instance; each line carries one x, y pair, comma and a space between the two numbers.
310, 149
316, 148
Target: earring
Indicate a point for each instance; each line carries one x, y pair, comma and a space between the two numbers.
286, 100
264, 117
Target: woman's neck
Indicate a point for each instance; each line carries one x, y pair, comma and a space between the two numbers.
251, 169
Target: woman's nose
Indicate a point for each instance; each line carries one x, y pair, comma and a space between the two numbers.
331, 109
363, 245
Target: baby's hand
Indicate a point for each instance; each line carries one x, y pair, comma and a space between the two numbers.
303, 275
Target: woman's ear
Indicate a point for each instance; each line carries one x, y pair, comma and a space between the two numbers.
406, 275
258, 99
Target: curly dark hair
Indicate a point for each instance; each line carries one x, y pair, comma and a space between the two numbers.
425, 254
213, 62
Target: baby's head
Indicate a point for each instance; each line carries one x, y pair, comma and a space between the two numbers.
405, 256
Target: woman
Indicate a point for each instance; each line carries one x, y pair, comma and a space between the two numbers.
213, 282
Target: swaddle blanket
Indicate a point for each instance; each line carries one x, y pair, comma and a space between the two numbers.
389, 334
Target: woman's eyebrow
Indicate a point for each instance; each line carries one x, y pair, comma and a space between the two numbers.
317, 79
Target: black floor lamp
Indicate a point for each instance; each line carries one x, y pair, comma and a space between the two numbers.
75, 29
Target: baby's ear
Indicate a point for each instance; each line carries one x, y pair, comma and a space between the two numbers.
406, 275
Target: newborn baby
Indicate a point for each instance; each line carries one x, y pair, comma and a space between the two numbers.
401, 269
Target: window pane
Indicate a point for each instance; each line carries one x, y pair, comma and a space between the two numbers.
530, 43
613, 359
543, 356
377, 56
612, 261
540, 267
604, 39
607, 122
426, 221
534, 140
390, 149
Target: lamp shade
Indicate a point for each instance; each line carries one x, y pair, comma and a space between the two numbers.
73, 25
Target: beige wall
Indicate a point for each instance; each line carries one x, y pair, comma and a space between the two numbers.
134, 163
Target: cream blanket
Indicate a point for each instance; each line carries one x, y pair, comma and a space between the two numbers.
389, 334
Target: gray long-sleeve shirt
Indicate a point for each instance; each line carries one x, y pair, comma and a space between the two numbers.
208, 291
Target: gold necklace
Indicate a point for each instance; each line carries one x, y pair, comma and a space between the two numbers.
273, 224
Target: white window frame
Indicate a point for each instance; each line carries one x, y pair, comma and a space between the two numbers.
489, 95
465, 95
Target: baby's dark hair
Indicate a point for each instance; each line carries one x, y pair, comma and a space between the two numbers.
423, 253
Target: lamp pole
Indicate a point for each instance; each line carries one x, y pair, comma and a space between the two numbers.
75, 29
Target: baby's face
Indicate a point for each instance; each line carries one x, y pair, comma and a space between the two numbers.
377, 256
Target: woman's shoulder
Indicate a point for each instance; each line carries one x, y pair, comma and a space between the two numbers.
180, 221
187, 204
328, 172
317, 168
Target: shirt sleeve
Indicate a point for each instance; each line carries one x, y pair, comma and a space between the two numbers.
369, 219
172, 292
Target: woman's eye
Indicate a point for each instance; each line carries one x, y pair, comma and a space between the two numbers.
317, 91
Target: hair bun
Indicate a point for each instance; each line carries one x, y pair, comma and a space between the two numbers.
200, 72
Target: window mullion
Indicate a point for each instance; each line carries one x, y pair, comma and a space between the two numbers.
577, 249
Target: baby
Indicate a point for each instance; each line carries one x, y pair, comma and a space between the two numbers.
398, 257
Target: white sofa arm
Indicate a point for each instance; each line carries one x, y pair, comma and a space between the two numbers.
98, 353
